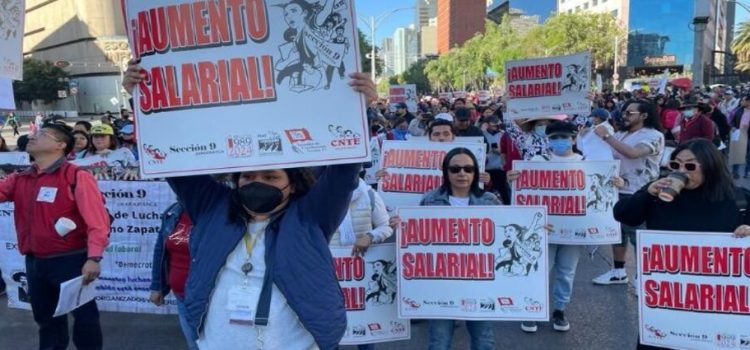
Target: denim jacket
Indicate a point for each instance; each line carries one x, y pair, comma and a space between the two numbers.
440, 197
160, 266
298, 260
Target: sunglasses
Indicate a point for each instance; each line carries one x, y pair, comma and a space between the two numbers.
689, 166
457, 169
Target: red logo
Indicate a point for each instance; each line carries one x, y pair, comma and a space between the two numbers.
411, 303
374, 327
505, 301
298, 135
155, 153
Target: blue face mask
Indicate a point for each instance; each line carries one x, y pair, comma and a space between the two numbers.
400, 134
540, 130
561, 147
689, 113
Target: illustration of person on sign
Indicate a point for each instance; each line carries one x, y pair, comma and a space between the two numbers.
308, 50
382, 288
521, 248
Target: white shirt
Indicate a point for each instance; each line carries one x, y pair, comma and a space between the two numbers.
458, 201
640, 171
575, 157
284, 330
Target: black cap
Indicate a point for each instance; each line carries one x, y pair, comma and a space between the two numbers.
401, 105
561, 128
463, 113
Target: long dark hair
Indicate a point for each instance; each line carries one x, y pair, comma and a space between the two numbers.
446, 187
3, 145
86, 136
302, 179
647, 107
717, 182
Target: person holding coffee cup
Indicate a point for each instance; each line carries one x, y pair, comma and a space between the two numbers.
702, 196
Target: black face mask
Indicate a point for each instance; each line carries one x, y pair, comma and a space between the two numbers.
260, 198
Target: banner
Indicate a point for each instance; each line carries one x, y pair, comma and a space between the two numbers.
12, 14
6, 94
459, 94
694, 290
473, 263
375, 152
445, 95
403, 94
245, 85
484, 95
124, 284
547, 86
415, 168
579, 197
369, 287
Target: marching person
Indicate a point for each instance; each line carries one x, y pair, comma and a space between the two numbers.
63, 232
639, 147
261, 269
706, 204
460, 189
171, 265
81, 146
563, 258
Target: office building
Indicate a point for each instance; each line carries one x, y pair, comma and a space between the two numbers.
405, 48
90, 36
522, 10
458, 21
387, 55
428, 42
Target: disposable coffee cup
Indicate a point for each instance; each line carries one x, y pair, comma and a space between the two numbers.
679, 180
63, 226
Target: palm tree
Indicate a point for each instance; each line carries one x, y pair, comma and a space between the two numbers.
741, 47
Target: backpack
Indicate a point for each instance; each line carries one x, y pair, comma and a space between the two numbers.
73, 181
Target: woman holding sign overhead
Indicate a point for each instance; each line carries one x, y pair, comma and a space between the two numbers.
460, 188
261, 273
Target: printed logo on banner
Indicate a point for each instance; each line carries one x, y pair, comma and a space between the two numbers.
744, 341
359, 331
197, 149
469, 305
239, 146
22, 282
533, 305
580, 234
443, 304
411, 303
566, 233
691, 336
269, 144
302, 141
654, 332
344, 139
376, 329
487, 305
397, 328
156, 155
725, 340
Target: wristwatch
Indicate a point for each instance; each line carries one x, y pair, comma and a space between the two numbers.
605, 137
95, 259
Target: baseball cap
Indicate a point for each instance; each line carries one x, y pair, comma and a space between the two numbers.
102, 129
444, 116
463, 113
561, 128
127, 129
401, 105
601, 113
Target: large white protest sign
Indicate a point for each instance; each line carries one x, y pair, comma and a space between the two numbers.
403, 94
415, 168
473, 263
694, 290
244, 85
124, 284
548, 86
579, 196
6, 94
12, 14
369, 287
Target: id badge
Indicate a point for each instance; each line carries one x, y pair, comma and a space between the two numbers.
241, 304
47, 194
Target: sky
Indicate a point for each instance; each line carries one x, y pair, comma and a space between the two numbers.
374, 8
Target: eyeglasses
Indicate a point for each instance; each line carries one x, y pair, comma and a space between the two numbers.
632, 112
47, 134
689, 166
457, 169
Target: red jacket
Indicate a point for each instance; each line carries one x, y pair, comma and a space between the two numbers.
41, 198
697, 127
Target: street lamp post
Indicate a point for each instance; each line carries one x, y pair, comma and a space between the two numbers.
374, 22
699, 26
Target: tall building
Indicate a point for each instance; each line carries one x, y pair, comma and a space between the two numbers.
459, 21
523, 10
617, 8
426, 10
387, 54
428, 42
405, 48
90, 35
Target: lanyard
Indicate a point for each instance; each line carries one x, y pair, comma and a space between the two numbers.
250, 241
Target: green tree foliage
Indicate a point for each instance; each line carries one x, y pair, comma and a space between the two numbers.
41, 81
466, 66
365, 48
741, 47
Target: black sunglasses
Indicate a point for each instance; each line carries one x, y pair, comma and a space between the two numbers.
457, 169
689, 166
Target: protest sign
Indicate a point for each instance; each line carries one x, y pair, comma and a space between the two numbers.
473, 263
547, 86
445, 95
369, 287
124, 284
403, 94
415, 168
694, 290
12, 14
245, 85
6, 94
459, 139
375, 145
484, 95
459, 94
579, 197
15, 158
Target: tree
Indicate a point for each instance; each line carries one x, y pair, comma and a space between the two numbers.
741, 47
415, 74
365, 48
41, 81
